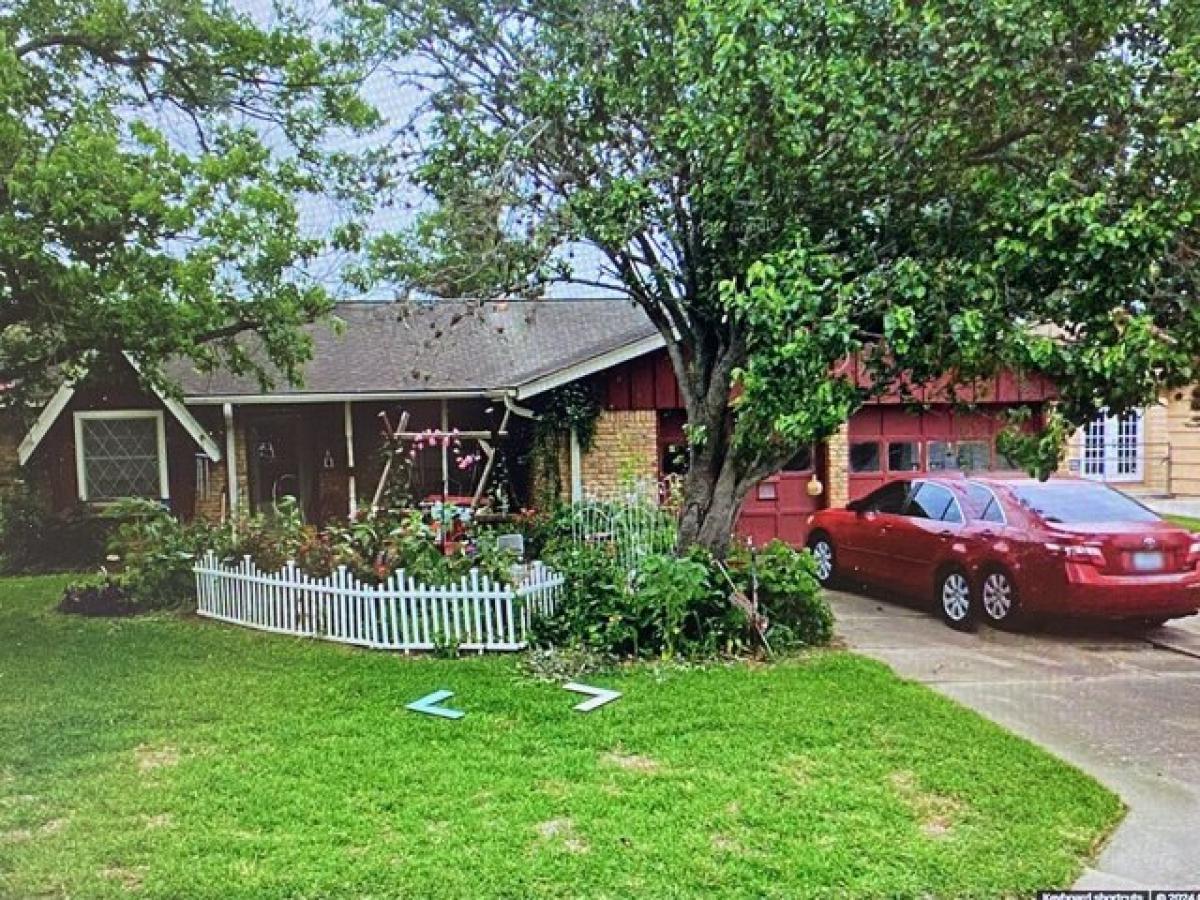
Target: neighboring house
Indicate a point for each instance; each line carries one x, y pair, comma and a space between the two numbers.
225, 446
1154, 452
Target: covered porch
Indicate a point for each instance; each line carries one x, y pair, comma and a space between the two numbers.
330, 455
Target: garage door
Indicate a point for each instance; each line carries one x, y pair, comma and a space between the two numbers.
888, 440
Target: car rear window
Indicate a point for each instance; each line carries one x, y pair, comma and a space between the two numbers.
1077, 504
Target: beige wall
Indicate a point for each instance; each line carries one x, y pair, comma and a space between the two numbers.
1183, 431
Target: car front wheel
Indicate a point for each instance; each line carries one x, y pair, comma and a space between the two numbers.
823, 554
998, 599
955, 600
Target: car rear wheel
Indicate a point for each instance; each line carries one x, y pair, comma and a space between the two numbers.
821, 547
956, 601
998, 599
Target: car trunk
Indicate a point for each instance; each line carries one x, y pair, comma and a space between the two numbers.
1134, 548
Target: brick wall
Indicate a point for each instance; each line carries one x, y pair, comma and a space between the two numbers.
837, 486
212, 505
625, 449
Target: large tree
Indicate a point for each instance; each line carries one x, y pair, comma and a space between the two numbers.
940, 188
154, 156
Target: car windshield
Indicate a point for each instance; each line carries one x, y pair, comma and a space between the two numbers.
1078, 504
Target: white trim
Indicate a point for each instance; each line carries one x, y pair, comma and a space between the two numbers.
591, 366
337, 397
231, 459
41, 426
81, 416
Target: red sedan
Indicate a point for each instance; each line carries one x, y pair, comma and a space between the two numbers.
993, 548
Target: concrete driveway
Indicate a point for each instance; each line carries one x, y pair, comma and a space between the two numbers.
1121, 705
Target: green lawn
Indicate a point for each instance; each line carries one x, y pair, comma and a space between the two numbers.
1186, 521
162, 757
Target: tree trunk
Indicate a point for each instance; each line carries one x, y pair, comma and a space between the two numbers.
713, 490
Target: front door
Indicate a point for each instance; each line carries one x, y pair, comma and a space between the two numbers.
277, 463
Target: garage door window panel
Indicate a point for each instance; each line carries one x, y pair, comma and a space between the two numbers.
904, 456
973, 456
864, 457
120, 454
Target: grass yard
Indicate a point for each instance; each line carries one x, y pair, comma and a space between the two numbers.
167, 758
1188, 522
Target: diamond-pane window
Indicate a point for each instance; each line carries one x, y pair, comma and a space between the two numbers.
120, 457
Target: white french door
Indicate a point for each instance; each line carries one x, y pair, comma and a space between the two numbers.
1113, 448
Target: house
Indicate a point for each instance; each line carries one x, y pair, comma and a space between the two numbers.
1152, 452
475, 373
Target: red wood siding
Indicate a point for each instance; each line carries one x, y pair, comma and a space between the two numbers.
645, 383
648, 382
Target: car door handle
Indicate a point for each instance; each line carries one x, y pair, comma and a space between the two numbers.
945, 535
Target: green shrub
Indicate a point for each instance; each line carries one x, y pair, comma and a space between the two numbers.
103, 598
35, 539
671, 606
155, 553
684, 611
24, 523
788, 593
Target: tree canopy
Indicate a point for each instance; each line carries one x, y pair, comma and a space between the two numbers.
153, 155
951, 186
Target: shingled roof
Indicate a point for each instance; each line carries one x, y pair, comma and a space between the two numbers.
447, 347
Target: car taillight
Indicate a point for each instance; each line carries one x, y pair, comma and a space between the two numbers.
1088, 554
1193, 557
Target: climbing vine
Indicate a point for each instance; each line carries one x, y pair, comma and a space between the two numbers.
574, 407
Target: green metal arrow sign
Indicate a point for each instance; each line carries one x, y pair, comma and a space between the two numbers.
429, 705
599, 696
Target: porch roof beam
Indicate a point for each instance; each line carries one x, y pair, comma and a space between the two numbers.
287, 399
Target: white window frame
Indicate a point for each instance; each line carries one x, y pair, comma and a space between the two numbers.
164, 492
1102, 462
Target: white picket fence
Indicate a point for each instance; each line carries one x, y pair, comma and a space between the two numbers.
398, 614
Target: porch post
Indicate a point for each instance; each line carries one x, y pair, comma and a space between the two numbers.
231, 460
445, 447
349, 426
576, 469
